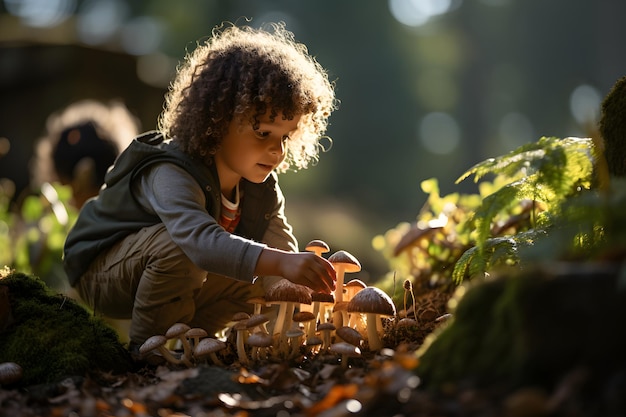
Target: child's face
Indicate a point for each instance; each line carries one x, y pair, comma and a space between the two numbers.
251, 153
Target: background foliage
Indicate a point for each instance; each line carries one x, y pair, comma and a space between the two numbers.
450, 83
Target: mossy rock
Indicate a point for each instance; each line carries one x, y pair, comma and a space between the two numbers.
52, 336
532, 327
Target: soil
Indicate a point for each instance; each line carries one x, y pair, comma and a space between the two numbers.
384, 383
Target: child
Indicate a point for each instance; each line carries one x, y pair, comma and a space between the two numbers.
190, 224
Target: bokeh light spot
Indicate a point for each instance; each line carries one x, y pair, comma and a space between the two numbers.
417, 12
584, 103
515, 130
99, 20
41, 13
439, 133
142, 35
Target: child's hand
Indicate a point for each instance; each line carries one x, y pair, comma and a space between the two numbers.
304, 268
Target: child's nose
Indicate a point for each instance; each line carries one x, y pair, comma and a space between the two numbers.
278, 147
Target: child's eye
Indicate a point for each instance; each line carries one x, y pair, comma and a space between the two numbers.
262, 134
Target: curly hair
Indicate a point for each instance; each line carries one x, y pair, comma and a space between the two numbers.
242, 72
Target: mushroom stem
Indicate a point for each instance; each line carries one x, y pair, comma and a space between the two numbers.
241, 350
168, 356
373, 339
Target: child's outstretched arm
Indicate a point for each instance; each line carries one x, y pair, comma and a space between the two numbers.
304, 268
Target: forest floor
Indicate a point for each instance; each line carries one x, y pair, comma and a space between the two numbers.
378, 384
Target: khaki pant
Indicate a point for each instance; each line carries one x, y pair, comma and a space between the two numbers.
147, 278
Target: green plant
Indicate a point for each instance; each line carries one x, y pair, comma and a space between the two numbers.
32, 235
533, 190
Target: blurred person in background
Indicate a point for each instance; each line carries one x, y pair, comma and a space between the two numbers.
80, 144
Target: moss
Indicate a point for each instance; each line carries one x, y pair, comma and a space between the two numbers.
530, 327
53, 336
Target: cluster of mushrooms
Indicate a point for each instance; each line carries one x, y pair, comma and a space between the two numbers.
307, 322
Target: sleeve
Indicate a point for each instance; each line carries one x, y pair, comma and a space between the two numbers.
177, 199
279, 234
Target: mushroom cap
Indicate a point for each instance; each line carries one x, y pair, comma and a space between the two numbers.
372, 300
257, 320
10, 372
326, 326
196, 332
302, 316
340, 306
257, 300
322, 297
344, 348
345, 259
294, 333
357, 283
208, 345
176, 330
317, 244
286, 291
349, 335
260, 339
152, 343
314, 341
242, 315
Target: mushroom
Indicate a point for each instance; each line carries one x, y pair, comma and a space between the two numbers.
350, 335
178, 331
343, 262
352, 287
195, 334
321, 301
157, 343
10, 373
326, 329
257, 321
340, 314
294, 336
374, 303
313, 344
209, 347
241, 328
346, 350
260, 342
308, 319
286, 294
258, 303
318, 247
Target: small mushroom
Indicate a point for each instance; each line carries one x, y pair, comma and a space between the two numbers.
294, 336
209, 347
258, 303
325, 330
346, 350
308, 319
350, 335
318, 247
194, 335
177, 331
241, 328
257, 321
374, 303
157, 343
321, 301
352, 287
260, 342
286, 294
313, 344
10, 373
343, 262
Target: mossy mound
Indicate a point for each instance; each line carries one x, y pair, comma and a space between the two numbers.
52, 337
532, 328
